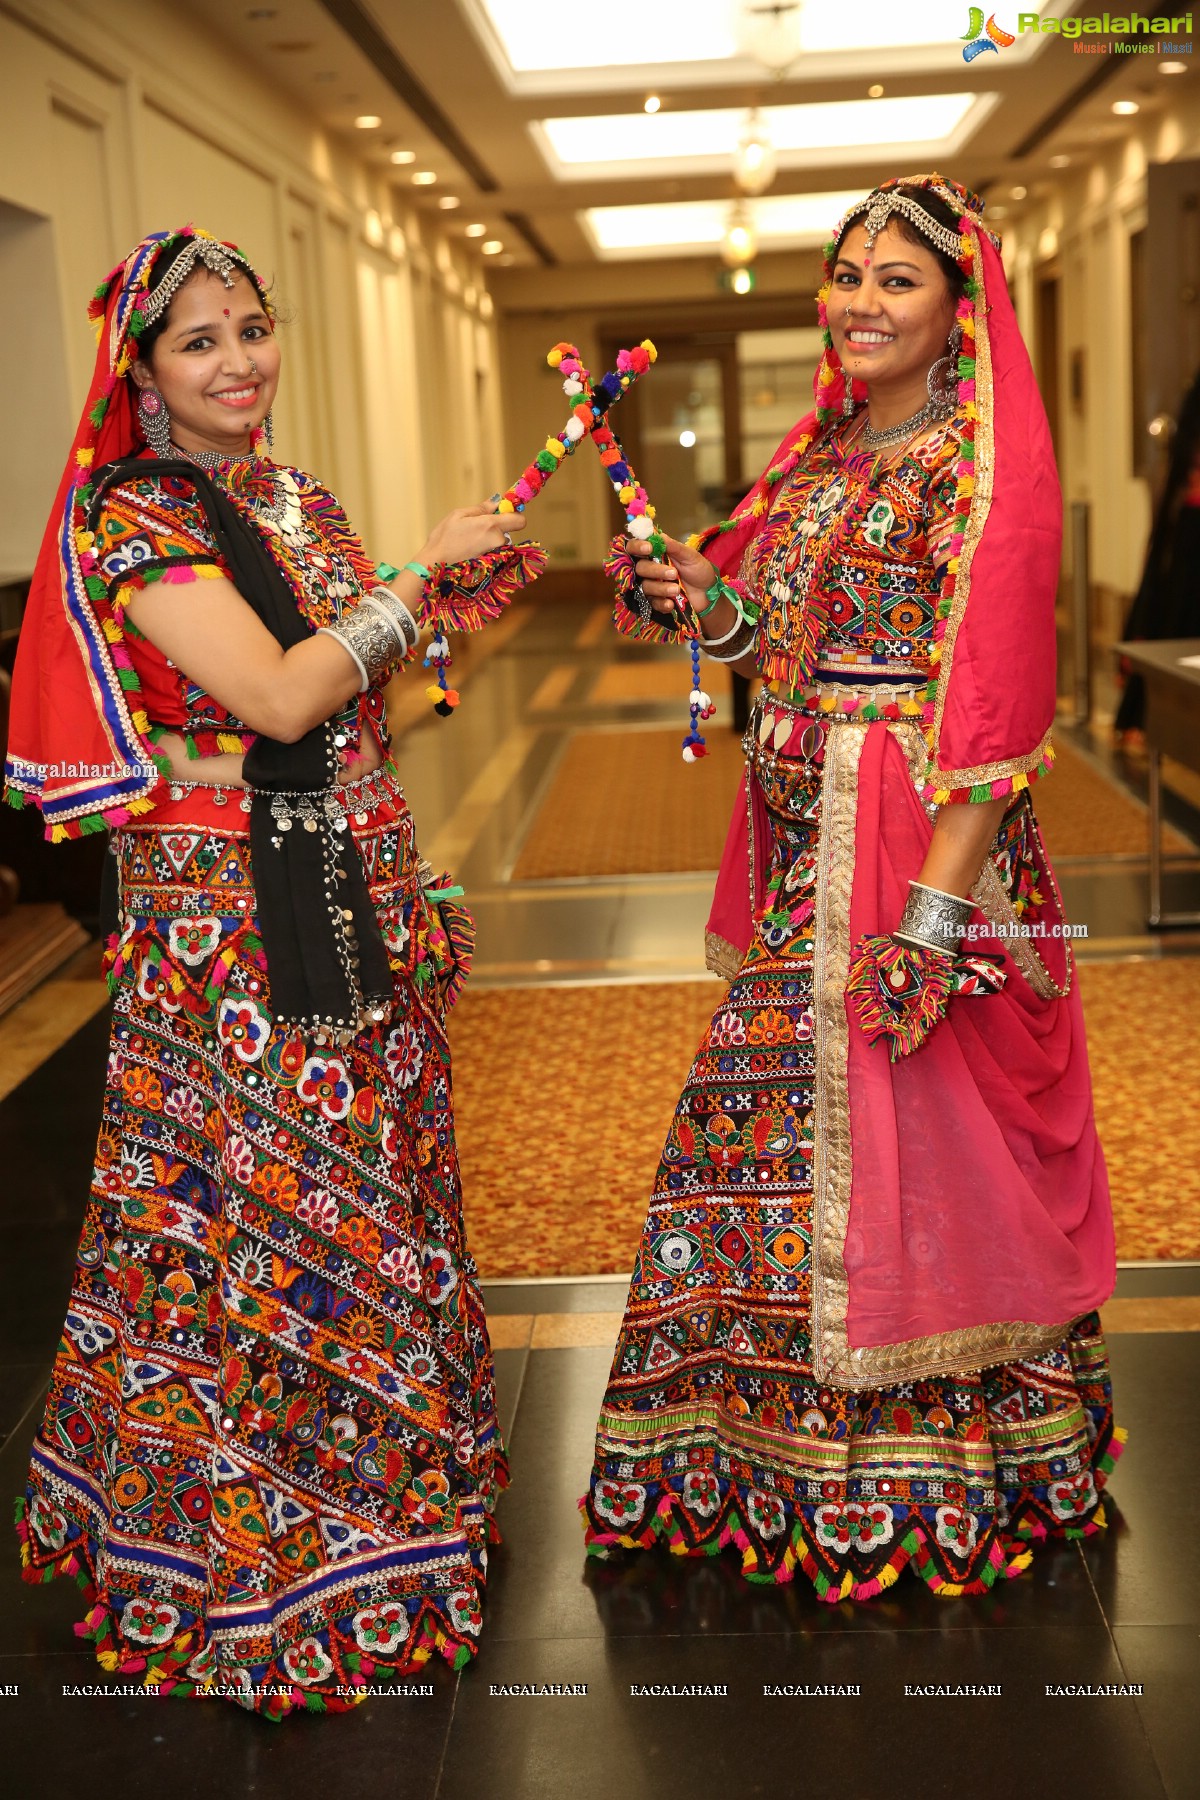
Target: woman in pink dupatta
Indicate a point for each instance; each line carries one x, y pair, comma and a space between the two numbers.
861, 1332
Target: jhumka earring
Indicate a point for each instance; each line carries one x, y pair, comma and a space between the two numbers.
848, 391
155, 421
942, 381
269, 431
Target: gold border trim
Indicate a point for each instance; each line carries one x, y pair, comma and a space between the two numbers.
722, 957
981, 500
833, 1162
993, 771
835, 1362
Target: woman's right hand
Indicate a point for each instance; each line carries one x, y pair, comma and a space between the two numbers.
662, 582
467, 532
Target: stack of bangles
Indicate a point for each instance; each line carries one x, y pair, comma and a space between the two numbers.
739, 639
379, 632
933, 920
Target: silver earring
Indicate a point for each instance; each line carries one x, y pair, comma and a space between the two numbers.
155, 421
848, 390
269, 429
941, 384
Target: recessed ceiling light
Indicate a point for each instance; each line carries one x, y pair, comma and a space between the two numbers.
687, 439
368, 121
651, 103
1125, 107
1017, 193
684, 227
493, 247
424, 178
476, 230
448, 202
1060, 162
741, 281
1172, 68
702, 141
404, 156
875, 91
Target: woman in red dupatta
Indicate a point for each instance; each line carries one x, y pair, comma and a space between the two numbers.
861, 1332
270, 1454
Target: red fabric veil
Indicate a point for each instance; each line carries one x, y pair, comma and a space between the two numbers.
77, 742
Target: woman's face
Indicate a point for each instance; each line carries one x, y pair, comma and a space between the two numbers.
901, 309
216, 364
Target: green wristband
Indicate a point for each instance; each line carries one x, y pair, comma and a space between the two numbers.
419, 569
386, 571
717, 591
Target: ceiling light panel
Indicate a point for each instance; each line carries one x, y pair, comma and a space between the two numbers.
682, 43
699, 143
692, 227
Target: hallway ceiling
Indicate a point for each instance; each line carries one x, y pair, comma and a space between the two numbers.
529, 114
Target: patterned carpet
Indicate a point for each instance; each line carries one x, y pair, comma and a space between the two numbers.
661, 816
564, 1096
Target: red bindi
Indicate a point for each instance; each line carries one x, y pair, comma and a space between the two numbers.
225, 310
866, 265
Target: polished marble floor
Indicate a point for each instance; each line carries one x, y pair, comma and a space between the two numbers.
1123, 1610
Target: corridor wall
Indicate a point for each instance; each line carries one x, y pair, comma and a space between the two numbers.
122, 119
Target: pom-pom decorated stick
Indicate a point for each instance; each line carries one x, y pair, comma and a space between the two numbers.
464, 595
640, 518
582, 422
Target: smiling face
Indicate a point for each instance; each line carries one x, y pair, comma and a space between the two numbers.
901, 310
216, 364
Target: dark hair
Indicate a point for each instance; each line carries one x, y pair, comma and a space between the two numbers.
165, 263
942, 214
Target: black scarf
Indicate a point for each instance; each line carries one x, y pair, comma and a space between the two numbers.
328, 967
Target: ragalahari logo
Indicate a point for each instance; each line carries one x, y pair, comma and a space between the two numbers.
984, 37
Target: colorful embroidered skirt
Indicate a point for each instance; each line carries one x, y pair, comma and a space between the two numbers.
270, 1452
715, 1431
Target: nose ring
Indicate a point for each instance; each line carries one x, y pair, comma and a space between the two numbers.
253, 365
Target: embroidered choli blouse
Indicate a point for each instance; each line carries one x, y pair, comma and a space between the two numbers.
849, 563
155, 529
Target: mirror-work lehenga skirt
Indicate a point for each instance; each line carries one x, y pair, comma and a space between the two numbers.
715, 1433
270, 1452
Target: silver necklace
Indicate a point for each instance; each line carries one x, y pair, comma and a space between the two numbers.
896, 434
279, 509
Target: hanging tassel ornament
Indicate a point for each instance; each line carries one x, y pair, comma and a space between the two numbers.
437, 655
700, 706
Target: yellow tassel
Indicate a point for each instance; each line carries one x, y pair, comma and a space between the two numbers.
177, 982
111, 630
58, 833
693, 542
909, 707
227, 741
759, 507
108, 1659
828, 702
1020, 781
84, 458
141, 723
141, 805
942, 797
207, 572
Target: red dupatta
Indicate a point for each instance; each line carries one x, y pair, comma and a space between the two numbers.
77, 743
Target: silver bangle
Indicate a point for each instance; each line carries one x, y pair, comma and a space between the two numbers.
742, 637
933, 919
711, 644
369, 634
393, 604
